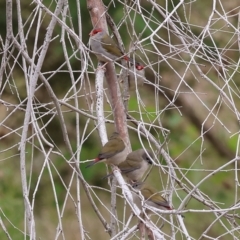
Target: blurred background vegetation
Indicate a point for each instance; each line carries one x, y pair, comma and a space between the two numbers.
196, 140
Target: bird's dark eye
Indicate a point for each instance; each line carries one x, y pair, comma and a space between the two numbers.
149, 160
134, 185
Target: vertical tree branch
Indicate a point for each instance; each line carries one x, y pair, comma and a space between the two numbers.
29, 111
98, 18
96, 10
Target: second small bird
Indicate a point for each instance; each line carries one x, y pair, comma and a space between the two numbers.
138, 73
151, 196
113, 152
135, 165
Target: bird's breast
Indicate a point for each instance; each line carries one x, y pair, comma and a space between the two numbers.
118, 158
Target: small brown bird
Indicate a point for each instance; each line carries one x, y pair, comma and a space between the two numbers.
135, 165
113, 152
104, 47
151, 196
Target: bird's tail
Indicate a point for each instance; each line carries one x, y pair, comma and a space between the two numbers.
91, 164
107, 176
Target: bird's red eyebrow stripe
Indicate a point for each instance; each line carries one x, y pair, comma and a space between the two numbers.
95, 31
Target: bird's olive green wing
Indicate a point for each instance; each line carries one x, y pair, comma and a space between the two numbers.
111, 47
129, 165
156, 198
111, 148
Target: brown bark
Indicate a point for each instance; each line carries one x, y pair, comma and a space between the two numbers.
96, 10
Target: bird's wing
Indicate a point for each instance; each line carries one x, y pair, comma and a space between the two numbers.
109, 149
155, 197
128, 170
128, 166
109, 43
